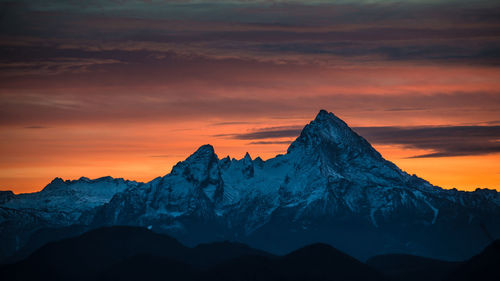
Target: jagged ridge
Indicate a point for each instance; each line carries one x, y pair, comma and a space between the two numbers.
331, 186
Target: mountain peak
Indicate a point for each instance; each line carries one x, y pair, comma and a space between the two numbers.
57, 180
199, 163
322, 114
325, 128
56, 183
205, 149
6, 196
84, 179
329, 117
247, 156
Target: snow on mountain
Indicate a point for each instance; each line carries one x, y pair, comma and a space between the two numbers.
331, 186
328, 164
329, 173
70, 197
60, 203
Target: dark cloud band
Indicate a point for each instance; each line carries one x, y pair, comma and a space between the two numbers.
444, 141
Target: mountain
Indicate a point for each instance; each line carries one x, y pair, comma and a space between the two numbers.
401, 267
313, 262
82, 257
60, 204
483, 266
131, 253
331, 187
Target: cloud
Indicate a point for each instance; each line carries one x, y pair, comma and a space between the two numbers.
231, 123
444, 141
54, 66
35, 127
71, 63
268, 133
270, 142
123, 104
298, 32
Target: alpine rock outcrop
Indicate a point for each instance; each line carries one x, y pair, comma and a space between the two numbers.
331, 186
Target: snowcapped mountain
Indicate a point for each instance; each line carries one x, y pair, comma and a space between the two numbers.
60, 203
331, 186
69, 197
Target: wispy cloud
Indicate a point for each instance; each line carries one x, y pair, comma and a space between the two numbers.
270, 142
267, 133
163, 156
195, 65
444, 141
54, 66
300, 32
36, 127
232, 123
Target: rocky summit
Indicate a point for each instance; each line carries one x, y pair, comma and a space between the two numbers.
331, 186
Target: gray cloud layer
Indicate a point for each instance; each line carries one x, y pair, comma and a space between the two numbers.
52, 51
443, 31
444, 141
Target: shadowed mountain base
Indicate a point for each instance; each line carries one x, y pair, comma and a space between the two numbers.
131, 253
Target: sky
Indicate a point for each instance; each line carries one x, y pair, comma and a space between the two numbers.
129, 88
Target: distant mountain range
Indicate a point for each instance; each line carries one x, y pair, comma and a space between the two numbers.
330, 187
131, 253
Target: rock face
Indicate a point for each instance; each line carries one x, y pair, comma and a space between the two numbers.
60, 203
331, 186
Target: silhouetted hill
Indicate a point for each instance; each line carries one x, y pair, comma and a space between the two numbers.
331, 186
484, 266
150, 268
44, 236
114, 249
206, 255
130, 253
412, 268
323, 262
314, 262
83, 257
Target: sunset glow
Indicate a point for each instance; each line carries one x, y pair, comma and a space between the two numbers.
129, 89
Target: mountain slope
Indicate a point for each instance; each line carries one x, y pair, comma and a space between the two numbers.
483, 266
331, 186
59, 204
313, 262
130, 253
86, 256
412, 268
82, 257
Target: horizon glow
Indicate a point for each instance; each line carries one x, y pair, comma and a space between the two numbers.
128, 89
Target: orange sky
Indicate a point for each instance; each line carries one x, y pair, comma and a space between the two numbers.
33, 157
128, 89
